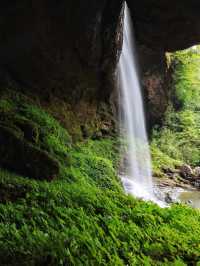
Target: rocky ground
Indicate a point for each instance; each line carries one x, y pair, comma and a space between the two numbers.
178, 185
183, 176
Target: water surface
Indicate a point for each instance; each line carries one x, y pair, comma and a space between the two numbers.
191, 198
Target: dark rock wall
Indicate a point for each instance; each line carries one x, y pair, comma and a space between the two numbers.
63, 51
155, 82
70, 49
57, 45
166, 25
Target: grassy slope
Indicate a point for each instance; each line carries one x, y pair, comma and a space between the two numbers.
178, 142
83, 217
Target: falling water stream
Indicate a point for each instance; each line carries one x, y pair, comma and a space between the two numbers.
136, 173
137, 178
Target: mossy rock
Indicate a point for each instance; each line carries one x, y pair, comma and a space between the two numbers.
29, 128
22, 157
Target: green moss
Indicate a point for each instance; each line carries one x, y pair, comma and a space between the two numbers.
84, 217
49, 127
81, 224
6, 105
38, 131
97, 161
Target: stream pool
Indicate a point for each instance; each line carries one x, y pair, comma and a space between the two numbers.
188, 196
191, 198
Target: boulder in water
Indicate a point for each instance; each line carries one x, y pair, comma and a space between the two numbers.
196, 183
186, 171
197, 172
168, 198
189, 202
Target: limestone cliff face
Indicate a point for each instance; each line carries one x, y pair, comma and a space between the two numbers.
69, 49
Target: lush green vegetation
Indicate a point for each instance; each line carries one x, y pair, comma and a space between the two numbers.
83, 216
80, 224
178, 140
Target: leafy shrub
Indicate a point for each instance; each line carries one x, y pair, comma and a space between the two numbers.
178, 139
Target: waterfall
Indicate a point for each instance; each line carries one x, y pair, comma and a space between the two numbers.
137, 179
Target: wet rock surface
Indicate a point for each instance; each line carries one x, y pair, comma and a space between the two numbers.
172, 191
184, 177
191, 174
